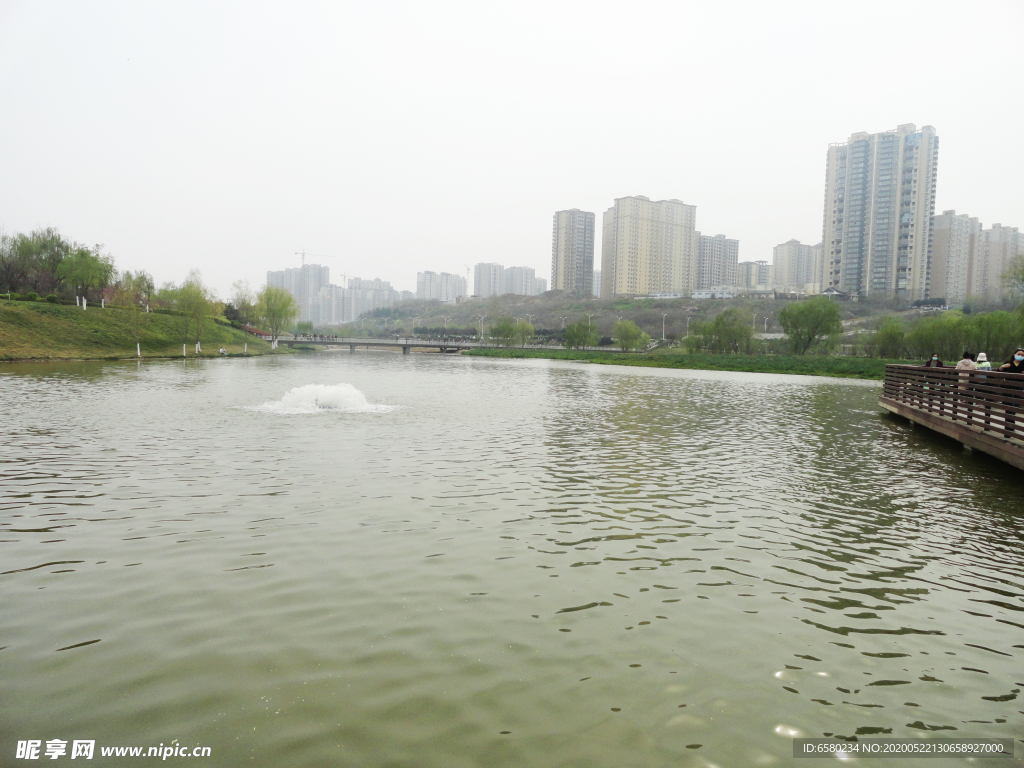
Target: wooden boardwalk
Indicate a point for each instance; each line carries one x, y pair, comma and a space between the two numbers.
983, 410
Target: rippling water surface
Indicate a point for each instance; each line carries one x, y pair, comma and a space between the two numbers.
378, 560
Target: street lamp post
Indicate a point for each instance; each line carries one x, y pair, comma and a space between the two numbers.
688, 326
588, 320
766, 325
752, 322
482, 328
663, 316
563, 322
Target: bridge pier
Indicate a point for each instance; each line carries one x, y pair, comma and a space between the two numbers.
351, 349
405, 350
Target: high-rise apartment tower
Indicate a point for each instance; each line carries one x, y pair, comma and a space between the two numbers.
648, 247
488, 279
798, 267
304, 283
717, 260
879, 201
955, 241
572, 251
997, 247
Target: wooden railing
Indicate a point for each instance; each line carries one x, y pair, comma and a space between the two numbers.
982, 409
989, 400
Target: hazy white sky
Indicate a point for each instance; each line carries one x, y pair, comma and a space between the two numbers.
400, 137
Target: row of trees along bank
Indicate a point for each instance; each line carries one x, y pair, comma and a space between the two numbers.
45, 266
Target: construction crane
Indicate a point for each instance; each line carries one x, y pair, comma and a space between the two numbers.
303, 254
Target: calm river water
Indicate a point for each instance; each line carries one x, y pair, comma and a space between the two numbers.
378, 560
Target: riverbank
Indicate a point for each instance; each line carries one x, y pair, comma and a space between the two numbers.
804, 365
42, 331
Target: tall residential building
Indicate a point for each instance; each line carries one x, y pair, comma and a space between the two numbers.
797, 267
540, 285
443, 286
955, 241
648, 247
335, 305
997, 246
596, 290
751, 274
322, 303
572, 251
488, 280
879, 202
717, 259
304, 284
519, 280
367, 295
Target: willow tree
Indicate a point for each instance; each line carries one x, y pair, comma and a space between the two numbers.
85, 270
629, 336
810, 321
523, 332
275, 308
243, 300
133, 292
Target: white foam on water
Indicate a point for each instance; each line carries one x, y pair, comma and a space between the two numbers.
322, 398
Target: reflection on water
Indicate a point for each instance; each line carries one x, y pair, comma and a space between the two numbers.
493, 563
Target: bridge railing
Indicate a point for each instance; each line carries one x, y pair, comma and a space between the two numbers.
989, 400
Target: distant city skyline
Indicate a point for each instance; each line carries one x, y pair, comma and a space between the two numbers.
175, 138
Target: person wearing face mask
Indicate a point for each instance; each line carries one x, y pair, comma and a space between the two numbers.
1014, 364
934, 362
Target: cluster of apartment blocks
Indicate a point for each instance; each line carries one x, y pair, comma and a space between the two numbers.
648, 248
880, 238
653, 248
323, 303
489, 279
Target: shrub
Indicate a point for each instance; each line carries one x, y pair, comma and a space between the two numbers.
30, 296
52, 298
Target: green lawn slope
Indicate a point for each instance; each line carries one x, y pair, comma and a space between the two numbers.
806, 365
42, 331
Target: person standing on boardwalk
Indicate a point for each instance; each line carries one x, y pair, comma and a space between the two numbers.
965, 364
983, 365
934, 362
1013, 400
1015, 364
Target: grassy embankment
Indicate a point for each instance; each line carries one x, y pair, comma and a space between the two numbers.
41, 331
806, 365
